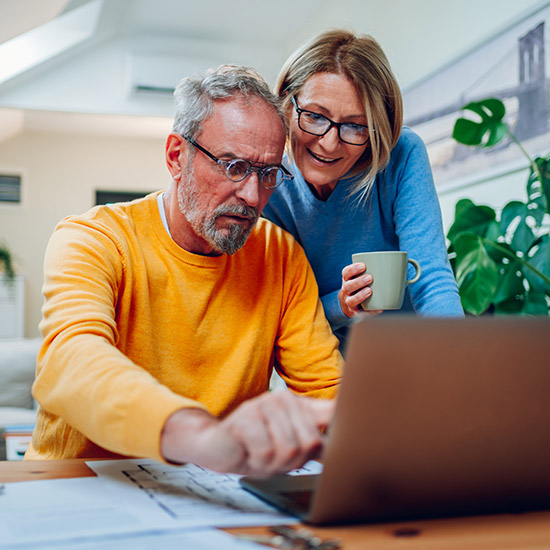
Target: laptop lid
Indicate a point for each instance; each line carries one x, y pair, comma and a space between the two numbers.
435, 417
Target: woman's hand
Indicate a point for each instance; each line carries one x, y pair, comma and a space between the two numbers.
355, 289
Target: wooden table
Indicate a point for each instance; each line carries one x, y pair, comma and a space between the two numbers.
526, 531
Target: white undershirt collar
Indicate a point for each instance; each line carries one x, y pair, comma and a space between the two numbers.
162, 212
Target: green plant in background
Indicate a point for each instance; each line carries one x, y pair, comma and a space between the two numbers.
502, 262
6, 264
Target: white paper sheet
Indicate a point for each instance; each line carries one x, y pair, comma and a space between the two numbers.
310, 468
38, 511
191, 495
203, 539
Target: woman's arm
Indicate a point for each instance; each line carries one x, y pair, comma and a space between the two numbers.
419, 228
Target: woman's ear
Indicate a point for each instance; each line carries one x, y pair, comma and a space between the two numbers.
175, 154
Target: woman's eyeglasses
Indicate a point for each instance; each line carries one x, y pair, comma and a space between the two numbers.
318, 125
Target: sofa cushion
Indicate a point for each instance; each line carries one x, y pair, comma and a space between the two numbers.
17, 371
16, 416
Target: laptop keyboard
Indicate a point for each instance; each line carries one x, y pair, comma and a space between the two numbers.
299, 500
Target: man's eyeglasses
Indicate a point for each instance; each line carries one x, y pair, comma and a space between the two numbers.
319, 125
238, 169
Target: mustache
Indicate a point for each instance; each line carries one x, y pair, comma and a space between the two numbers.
237, 209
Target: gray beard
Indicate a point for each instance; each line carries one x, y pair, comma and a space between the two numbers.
206, 228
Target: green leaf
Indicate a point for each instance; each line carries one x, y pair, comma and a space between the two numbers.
510, 283
511, 306
544, 169
452, 261
472, 218
476, 273
468, 132
487, 131
537, 191
466, 243
497, 252
537, 212
523, 236
532, 303
535, 304
541, 261
462, 205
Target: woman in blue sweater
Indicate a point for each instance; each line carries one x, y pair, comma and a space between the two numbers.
361, 182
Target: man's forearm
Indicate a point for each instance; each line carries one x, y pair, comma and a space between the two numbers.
272, 433
181, 430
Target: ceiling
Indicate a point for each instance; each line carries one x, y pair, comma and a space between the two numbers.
97, 56
24, 15
146, 43
109, 65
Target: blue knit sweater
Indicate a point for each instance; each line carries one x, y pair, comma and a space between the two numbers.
402, 213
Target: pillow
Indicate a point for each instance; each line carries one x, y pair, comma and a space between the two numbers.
17, 371
16, 416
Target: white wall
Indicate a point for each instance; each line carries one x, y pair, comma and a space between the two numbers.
418, 36
61, 173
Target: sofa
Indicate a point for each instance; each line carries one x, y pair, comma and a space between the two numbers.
17, 371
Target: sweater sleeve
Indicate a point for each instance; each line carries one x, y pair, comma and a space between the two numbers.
306, 352
284, 210
82, 377
419, 229
331, 304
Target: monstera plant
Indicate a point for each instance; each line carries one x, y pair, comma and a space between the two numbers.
501, 260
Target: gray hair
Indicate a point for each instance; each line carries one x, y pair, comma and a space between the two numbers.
194, 96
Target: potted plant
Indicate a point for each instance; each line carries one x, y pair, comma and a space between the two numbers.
502, 261
6, 263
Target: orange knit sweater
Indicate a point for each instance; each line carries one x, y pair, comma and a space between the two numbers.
135, 328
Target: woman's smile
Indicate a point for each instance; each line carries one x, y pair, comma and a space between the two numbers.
324, 160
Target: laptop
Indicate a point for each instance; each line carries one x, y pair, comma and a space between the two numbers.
435, 417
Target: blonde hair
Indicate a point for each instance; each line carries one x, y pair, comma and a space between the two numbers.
362, 61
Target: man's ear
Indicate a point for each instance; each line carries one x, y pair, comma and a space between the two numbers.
176, 155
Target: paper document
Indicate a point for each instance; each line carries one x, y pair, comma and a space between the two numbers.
45, 510
202, 539
191, 495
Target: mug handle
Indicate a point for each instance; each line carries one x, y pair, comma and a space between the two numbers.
418, 270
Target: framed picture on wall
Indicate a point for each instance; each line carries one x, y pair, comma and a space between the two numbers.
513, 66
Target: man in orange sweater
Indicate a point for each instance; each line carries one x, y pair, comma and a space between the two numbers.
164, 317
